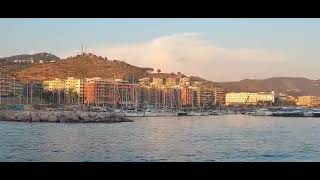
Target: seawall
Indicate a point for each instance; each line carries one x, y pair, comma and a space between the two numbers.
62, 116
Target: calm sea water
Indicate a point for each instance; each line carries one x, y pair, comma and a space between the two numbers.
207, 138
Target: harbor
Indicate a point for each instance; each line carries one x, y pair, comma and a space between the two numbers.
223, 138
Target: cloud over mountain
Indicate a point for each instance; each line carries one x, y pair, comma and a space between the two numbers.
188, 53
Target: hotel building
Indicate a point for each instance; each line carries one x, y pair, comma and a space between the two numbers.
246, 98
310, 101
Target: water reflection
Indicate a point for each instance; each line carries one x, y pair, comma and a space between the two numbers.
214, 138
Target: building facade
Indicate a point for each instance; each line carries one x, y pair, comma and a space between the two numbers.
246, 98
157, 82
310, 101
54, 85
72, 85
185, 82
219, 96
116, 94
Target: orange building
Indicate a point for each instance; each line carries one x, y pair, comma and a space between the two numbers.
107, 93
97, 91
187, 94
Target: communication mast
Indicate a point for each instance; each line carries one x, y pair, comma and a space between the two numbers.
82, 49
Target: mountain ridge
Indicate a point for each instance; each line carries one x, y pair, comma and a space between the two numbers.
90, 65
294, 86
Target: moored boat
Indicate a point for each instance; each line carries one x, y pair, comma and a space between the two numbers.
316, 113
288, 112
182, 113
262, 112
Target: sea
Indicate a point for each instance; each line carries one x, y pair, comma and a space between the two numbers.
223, 138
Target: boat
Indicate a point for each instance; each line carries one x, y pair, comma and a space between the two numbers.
150, 113
214, 113
182, 113
316, 113
261, 112
289, 112
194, 113
308, 113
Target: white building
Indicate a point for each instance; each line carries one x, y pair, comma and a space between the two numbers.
246, 98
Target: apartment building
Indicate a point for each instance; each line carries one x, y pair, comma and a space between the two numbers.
219, 96
157, 82
246, 98
54, 85
171, 82
185, 82
310, 101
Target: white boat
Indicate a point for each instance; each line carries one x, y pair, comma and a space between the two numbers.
214, 113
193, 113
308, 113
150, 113
261, 112
133, 114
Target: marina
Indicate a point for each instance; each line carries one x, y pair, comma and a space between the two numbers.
272, 111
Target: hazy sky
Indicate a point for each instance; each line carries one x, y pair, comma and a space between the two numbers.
216, 49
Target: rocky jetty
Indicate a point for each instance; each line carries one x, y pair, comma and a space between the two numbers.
62, 116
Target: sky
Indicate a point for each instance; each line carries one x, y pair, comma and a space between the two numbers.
214, 49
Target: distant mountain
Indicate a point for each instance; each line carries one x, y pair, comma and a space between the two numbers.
45, 57
82, 66
10, 65
294, 86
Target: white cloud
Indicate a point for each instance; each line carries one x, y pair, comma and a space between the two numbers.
188, 53
33, 51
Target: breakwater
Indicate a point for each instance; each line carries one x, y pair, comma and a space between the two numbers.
62, 116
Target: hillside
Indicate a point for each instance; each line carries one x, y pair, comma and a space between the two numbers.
12, 64
90, 65
294, 86
45, 57
81, 67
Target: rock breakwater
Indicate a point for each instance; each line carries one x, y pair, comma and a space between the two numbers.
62, 116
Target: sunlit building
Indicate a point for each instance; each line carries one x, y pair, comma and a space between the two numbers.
205, 97
53, 85
5, 85
310, 101
219, 96
104, 92
144, 82
246, 98
157, 82
171, 81
72, 85
184, 82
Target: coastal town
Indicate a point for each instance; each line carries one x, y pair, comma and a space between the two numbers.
155, 94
